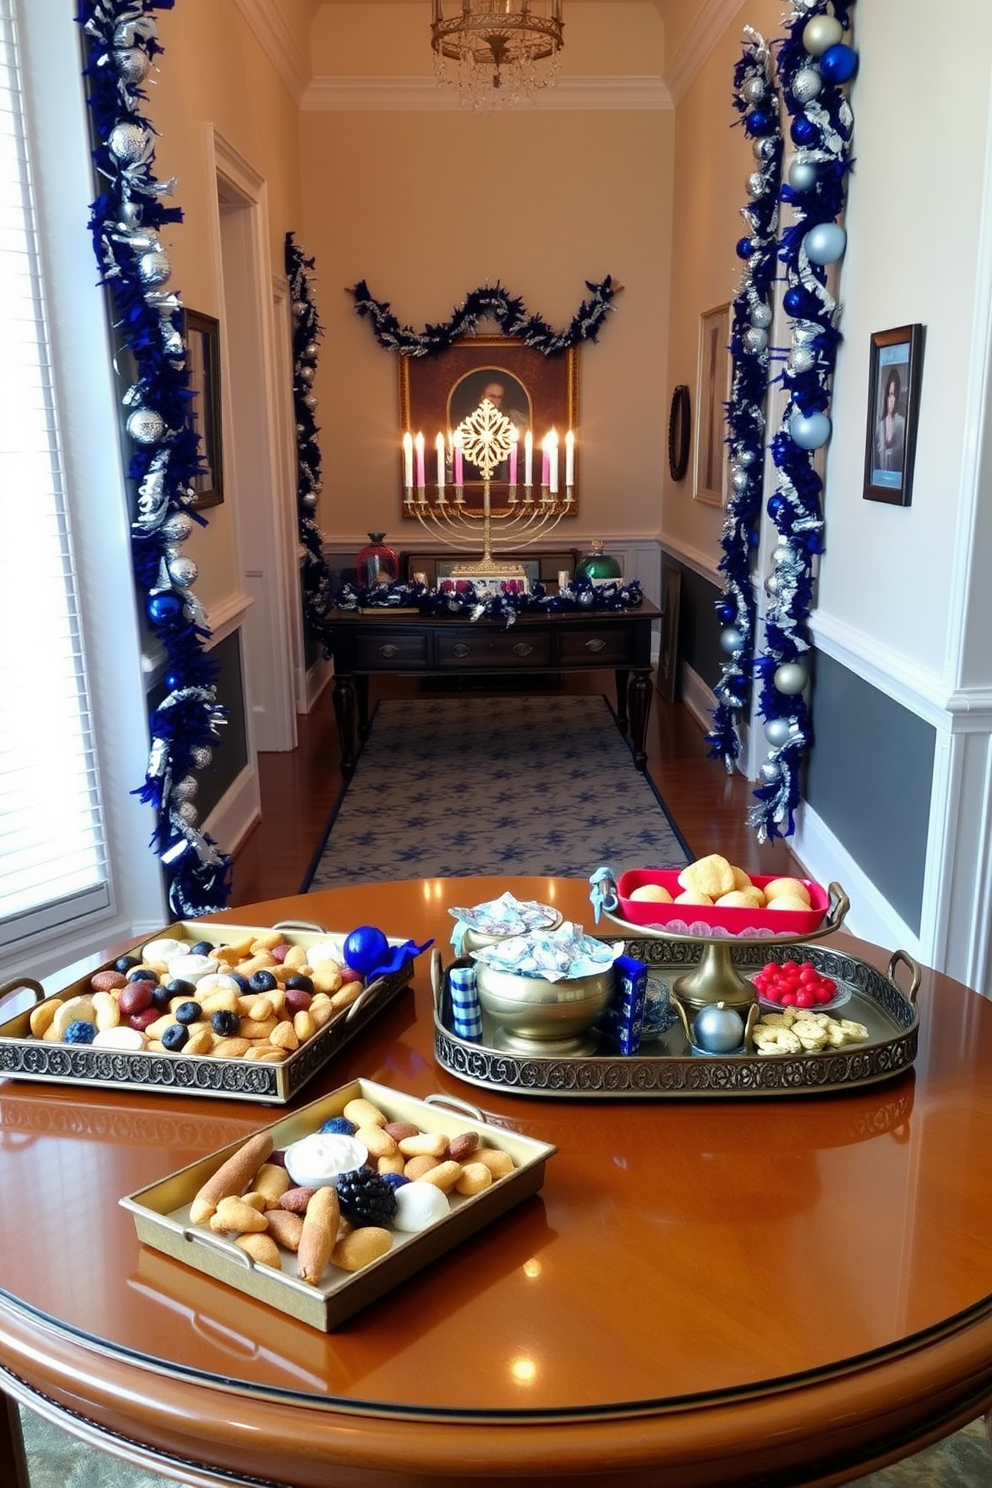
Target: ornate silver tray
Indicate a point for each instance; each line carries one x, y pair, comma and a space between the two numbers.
667, 1066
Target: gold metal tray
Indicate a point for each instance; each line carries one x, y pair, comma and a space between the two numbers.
24, 1057
161, 1212
668, 1067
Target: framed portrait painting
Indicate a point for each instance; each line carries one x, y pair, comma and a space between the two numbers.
895, 369
712, 394
202, 335
537, 393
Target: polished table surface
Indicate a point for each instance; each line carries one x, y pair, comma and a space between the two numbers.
703, 1293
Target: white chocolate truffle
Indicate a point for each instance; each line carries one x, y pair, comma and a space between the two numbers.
419, 1205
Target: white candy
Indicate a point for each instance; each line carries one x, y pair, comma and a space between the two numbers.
191, 968
164, 949
325, 950
419, 1205
315, 1161
121, 1037
217, 981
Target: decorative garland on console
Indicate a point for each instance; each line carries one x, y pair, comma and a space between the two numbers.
813, 66
307, 330
581, 594
511, 315
752, 314
125, 220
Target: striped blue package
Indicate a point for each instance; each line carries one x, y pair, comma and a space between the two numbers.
466, 1011
623, 1017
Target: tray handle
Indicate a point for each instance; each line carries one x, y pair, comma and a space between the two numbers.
915, 973
603, 892
837, 907
22, 984
437, 979
218, 1243
310, 926
456, 1104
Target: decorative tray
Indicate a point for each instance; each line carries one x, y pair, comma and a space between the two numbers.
667, 1066
23, 1056
161, 1212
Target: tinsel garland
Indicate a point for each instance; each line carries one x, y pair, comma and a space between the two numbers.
125, 222
307, 330
492, 301
465, 599
754, 98
814, 64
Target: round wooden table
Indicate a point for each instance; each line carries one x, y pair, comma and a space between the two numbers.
787, 1290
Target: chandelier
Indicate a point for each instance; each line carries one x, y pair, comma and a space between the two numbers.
496, 51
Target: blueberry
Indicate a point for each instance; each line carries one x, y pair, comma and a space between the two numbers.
80, 1032
225, 1022
243, 983
202, 948
124, 963
395, 1180
174, 1036
299, 983
161, 997
262, 981
188, 1012
179, 988
141, 974
341, 1125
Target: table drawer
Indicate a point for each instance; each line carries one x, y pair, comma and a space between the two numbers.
505, 650
390, 651
608, 645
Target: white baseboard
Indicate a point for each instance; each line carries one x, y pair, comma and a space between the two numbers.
238, 810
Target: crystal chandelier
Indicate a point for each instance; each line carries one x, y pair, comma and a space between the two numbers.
497, 51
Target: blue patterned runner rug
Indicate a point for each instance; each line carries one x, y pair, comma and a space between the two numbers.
485, 784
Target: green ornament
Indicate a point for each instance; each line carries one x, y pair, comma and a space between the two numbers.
597, 564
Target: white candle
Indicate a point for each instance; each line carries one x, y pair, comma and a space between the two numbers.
553, 460
569, 459
419, 446
514, 440
408, 460
528, 459
439, 447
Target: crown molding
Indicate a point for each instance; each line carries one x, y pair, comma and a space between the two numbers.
414, 94
711, 23
278, 44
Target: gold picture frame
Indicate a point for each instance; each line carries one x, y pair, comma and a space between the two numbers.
712, 395
437, 391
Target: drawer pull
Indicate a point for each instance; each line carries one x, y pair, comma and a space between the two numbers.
460, 649
389, 651
523, 648
596, 644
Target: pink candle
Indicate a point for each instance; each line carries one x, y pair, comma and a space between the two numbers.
545, 461
553, 451
457, 444
514, 437
439, 449
528, 458
419, 446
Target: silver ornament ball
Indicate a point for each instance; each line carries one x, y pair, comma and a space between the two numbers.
187, 813
781, 556
183, 572
310, 350
777, 731
740, 479
760, 314
177, 527
127, 143
802, 174
718, 1029
809, 431
754, 89
145, 426
770, 772
801, 359
790, 678
133, 65
825, 243
306, 374
309, 500
310, 401
154, 268
806, 85
731, 640
201, 756
755, 340
756, 184
772, 585
185, 789
820, 32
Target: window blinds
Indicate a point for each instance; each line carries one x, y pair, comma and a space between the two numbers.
53, 862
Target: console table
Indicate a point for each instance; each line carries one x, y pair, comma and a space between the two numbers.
704, 1293
366, 643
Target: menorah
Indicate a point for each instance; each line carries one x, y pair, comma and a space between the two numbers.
488, 439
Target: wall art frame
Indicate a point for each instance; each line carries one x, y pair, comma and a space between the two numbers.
202, 337
679, 433
437, 391
713, 377
895, 377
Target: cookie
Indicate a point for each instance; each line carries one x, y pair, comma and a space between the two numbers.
711, 875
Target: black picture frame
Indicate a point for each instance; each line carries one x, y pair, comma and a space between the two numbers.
895, 367
679, 433
437, 391
202, 337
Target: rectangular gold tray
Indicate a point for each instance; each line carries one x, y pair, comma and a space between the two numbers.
667, 1066
24, 1057
161, 1211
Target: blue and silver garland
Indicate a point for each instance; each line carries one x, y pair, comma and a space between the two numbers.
125, 223
814, 64
754, 98
581, 594
492, 301
307, 330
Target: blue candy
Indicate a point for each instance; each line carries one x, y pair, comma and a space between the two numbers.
80, 1032
341, 1125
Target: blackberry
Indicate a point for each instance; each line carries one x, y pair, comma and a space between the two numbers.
365, 1197
341, 1125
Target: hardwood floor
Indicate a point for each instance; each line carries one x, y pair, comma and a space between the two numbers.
300, 788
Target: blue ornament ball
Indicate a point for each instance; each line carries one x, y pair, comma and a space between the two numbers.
803, 131
825, 243
745, 247
794, 301
777, 507
164, 607
839, 63
809, 430
364, 948
726, 611
802, 174
759, 122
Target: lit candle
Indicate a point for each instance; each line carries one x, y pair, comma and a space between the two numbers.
408, 460
419, 446
456, 441
514, 440
439, 447
528, 459
545, 459
569, 460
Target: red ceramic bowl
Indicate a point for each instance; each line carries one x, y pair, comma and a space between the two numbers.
729, 920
